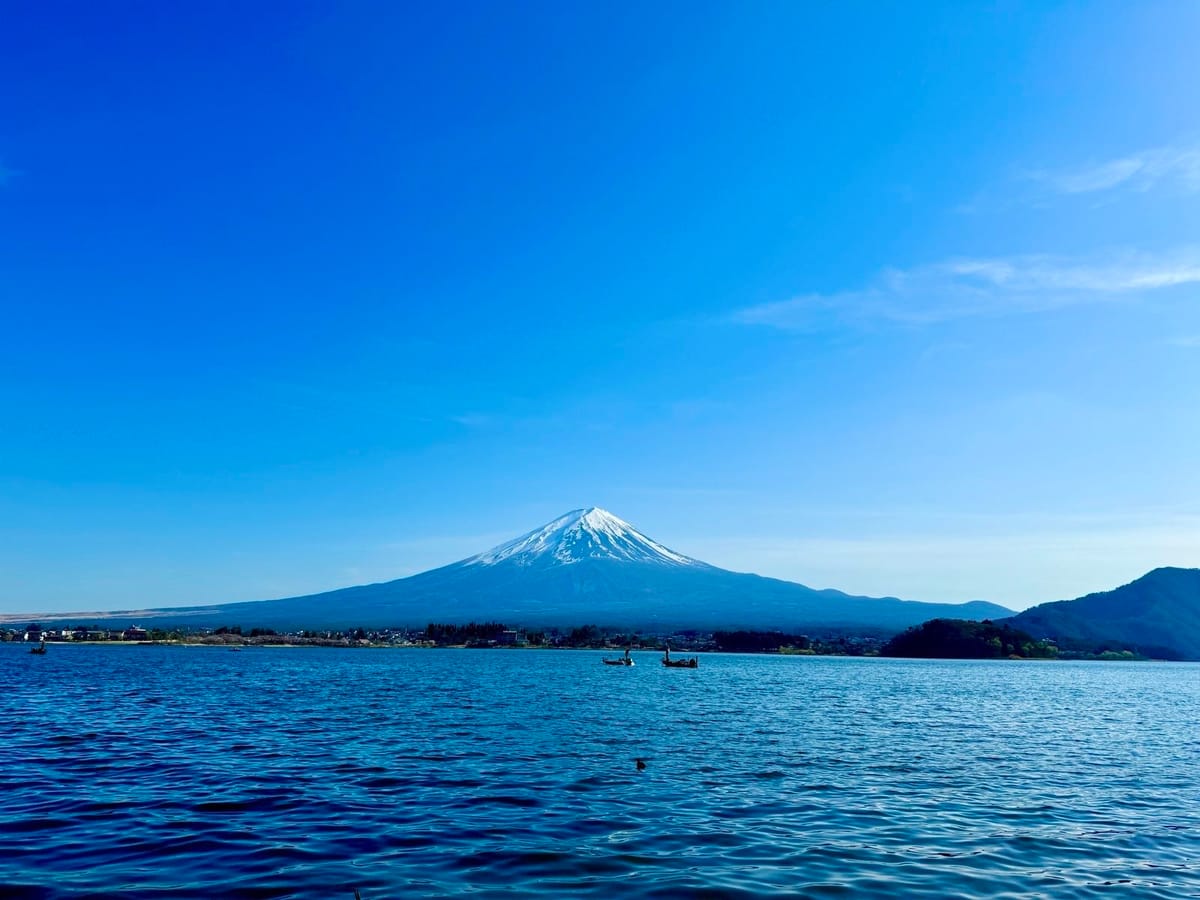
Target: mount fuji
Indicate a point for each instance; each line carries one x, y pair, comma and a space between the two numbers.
586, 566
581, 535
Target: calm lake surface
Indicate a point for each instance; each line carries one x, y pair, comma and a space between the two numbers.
198, 772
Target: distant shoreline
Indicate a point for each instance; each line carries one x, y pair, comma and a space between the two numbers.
1108, 657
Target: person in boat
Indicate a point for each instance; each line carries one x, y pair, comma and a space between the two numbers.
667, 653
628, 660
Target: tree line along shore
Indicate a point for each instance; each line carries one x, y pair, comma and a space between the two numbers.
935, 639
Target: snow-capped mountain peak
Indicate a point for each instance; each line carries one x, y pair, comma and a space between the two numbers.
582, 534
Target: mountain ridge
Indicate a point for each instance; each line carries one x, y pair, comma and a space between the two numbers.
1160, 611
586, 566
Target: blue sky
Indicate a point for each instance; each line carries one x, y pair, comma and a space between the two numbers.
899, 300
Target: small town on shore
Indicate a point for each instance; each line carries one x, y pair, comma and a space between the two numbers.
938, 638
471, 636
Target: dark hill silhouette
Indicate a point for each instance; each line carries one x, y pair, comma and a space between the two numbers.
957, 639
1158, 615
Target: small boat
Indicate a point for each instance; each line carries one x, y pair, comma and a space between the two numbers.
40, 651
618, 662
692, 663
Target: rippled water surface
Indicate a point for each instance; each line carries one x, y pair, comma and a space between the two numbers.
176, 771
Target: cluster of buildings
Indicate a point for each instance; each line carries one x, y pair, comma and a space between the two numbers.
473, 636
36, 634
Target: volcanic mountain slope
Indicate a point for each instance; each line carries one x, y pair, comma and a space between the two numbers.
1158, 614
587, 566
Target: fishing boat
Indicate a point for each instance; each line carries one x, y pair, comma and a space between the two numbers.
40, 651
625, 660
691, 663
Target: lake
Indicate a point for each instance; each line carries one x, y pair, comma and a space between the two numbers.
156, 771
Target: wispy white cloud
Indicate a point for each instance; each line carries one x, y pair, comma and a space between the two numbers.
473, 420
7, 174
1179, 165
1056, 559
963, 288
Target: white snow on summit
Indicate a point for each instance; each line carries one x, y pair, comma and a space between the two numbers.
582, 534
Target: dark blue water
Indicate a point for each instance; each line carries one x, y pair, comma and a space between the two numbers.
174, 771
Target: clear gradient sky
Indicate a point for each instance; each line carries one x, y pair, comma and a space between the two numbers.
894, 298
